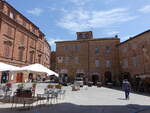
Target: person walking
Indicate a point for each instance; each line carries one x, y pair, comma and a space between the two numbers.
126, 87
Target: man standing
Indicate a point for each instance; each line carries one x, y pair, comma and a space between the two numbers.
126, 87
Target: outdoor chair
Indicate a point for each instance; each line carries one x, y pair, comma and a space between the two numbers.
40, 99
62, 94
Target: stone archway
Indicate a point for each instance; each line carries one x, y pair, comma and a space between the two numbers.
108, 77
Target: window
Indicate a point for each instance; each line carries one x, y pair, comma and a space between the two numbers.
60, 59
134, 46
24, 24
11, 15
64, 47
96, 50
22, 39
6, 50
66, 60
108, 63
76, 47
40, 46
83, 35
108, 49
77, 60
125, 49
31, 57
20, 55
33, 30
7, 47
39, 58
125, 63
135, 60
97, 63
9, 31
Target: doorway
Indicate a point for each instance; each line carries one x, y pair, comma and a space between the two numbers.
95, 79
5, 77
19, 77
108, 77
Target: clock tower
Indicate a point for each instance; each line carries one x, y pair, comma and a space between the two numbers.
84, 35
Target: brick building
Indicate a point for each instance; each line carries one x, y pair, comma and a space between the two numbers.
53, 60
21, 42
134, 56
96, 59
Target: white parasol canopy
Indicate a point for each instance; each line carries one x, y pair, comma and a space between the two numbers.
7, 67
38, 68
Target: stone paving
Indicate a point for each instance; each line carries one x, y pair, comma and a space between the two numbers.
91, 100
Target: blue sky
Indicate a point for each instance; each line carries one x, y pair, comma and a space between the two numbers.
61, 19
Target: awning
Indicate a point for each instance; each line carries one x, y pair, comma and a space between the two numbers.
39, 68
8, 67
144, 76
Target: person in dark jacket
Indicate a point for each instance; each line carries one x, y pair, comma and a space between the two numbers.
126, 87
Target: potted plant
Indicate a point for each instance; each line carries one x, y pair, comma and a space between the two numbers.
33, 85
49, 86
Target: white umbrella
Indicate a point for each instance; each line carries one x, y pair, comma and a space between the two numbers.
39, 68
7, 67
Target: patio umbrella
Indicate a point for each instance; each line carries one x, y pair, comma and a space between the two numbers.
8, 67
38, 68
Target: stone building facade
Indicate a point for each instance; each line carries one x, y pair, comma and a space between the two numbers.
53, 60
134, 55
21, 42
96, 59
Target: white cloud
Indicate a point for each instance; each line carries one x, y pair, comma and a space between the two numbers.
35, 11
58, 9
53, 40
80, 19
145, 9
79, 2
109, 1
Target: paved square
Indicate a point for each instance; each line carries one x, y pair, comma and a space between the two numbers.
93, 100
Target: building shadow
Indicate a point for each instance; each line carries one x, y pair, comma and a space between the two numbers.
120, 89
73, 108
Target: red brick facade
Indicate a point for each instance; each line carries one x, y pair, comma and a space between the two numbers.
93, 58
21, 42
53, 60
135, 55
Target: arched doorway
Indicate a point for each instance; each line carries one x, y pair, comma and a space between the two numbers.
30, 77
19, 77
5, 77
108, 77
95, 79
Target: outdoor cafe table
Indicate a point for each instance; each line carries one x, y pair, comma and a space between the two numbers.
23, 97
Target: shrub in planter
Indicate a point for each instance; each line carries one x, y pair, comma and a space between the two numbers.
49, 86
20, 86
33, 85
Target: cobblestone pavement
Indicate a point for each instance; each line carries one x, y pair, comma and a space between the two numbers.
91, 100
